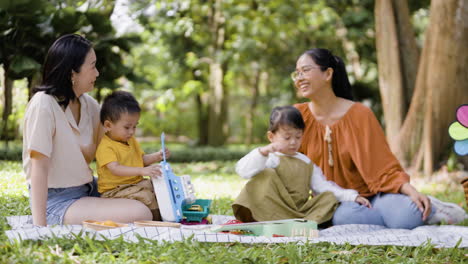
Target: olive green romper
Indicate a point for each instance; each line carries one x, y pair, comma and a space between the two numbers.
283, 193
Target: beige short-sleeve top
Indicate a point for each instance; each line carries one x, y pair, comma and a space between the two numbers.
53, 132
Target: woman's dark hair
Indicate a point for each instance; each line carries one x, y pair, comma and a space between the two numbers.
116, 104
285, 116
325, 59
67, 54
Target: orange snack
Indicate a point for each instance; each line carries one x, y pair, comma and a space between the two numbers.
109, 223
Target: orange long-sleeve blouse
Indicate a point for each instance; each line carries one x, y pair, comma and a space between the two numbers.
361, 157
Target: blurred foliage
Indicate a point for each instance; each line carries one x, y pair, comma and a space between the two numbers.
204, 154
179, 152
29, 27
261, 36
166, 64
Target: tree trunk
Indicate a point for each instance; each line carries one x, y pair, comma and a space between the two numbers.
397, 55
33, 81
410, 136
409, 50
98, 95
8, 98
217, 108
441, 84
202, 121
390, 72
254, 91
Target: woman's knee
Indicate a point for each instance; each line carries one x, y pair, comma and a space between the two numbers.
345, 213
398, 211
354, 213
138, 211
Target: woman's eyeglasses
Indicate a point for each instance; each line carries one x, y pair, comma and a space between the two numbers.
295, 75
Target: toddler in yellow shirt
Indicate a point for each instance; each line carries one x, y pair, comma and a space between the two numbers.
121, 163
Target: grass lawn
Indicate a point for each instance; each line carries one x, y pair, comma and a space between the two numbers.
217, 181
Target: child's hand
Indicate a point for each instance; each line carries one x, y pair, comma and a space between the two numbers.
270, 148
363, 201
160, 154
154, 171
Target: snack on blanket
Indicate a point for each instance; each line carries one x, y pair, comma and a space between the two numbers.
109, 223
103, 225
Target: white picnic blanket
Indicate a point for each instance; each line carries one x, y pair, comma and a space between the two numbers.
439, 236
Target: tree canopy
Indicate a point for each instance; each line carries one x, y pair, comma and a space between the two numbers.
209, 72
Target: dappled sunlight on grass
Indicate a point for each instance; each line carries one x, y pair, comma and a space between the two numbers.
442, 185
221, 206
12, 178
217, 181
212, 180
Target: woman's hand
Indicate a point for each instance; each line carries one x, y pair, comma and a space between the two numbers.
89, 151
363, 201
421, 200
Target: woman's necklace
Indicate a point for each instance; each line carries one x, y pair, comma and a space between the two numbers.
328, 139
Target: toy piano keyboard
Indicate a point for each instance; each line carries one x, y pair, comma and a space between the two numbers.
278, 228
172, 192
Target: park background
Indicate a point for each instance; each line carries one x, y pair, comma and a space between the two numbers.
208, 73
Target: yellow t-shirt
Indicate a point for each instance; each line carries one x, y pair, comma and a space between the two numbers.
130, 155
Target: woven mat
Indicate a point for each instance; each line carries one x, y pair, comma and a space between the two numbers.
439, 236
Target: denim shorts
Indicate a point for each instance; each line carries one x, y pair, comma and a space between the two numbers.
59, 199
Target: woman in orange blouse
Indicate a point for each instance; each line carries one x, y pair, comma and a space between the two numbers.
347, 142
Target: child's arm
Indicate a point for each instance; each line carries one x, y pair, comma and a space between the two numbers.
149, 159
270, 148
319, 185
121, 170
254, 162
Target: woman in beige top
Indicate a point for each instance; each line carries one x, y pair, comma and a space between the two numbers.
60, 136
346, 141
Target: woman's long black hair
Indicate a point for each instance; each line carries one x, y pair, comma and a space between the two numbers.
340, 82
67, 54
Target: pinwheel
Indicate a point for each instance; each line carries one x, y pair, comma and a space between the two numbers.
459, 130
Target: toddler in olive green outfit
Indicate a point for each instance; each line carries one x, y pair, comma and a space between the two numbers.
281, 179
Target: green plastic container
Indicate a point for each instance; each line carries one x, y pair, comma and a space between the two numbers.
196, 216
287, 228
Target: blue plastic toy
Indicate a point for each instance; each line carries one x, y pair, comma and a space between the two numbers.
172, 191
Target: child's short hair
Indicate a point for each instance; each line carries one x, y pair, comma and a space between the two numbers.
116, 104
285, 116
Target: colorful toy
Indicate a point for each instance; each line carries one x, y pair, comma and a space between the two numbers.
459, 130
197, 211
279, 228
172, 191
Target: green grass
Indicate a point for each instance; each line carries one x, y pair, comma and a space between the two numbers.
217, 181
